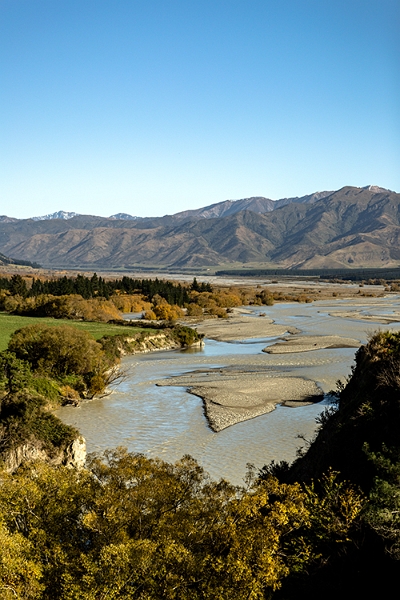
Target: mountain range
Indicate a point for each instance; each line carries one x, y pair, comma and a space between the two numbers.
350, 227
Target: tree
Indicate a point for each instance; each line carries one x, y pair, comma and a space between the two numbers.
18, 286
20, 573
383, 510
14, 372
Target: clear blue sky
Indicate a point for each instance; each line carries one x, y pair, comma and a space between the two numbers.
154, 106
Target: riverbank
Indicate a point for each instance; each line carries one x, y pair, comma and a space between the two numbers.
371, 317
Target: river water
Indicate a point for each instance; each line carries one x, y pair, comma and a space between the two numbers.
169, 422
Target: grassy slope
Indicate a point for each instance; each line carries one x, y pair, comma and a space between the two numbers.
9, 323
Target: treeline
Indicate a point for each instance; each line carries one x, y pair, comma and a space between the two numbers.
199, 299
71, 306
341, 274
6, 260
97, 287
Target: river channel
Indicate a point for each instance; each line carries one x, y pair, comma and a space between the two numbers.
169, 422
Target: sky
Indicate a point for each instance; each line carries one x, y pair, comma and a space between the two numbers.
150, 107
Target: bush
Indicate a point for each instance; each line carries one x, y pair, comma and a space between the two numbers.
48, 388
186, 336
194, 310
24, 419
130, 303
71, 306
149, 315
216, 311
60, 352
15, 374
166, 312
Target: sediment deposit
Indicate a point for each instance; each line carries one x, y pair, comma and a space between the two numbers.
232, 396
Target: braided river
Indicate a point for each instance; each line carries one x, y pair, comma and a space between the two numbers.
168, 422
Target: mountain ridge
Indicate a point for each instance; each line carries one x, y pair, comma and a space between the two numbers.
351, 227
218, 209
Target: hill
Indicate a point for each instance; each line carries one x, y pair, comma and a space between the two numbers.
351, 227
6, 260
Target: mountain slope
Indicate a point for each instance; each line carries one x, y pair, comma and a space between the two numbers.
349, 227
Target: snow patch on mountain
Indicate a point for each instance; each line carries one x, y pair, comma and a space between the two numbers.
124, 217
61, 214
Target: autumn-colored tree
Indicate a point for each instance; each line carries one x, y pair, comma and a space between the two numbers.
133, 528
194, 310
166, 312
70, 306
128, 303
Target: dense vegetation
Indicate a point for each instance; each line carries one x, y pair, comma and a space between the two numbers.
360, 439
349, 274
94, 299
127, 527
26, 393
58, 363
95, 286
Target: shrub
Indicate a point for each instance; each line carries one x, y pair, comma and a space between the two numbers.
149, 315
186, 336
71, 306
166, 312
48, 388
130, 303
216, 311
194, 310
59, 352
15, 374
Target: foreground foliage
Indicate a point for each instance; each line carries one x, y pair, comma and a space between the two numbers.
133, 528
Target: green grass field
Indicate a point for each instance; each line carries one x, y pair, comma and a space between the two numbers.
9, 323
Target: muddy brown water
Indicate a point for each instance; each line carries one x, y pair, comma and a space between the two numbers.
168, 422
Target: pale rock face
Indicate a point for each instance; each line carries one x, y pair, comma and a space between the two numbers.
25, 453
74, 456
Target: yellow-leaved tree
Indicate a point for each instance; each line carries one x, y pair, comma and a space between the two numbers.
133, 528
